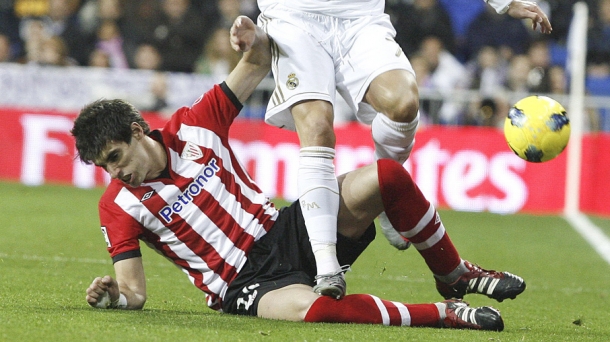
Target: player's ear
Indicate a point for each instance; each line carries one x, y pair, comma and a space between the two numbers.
137, 131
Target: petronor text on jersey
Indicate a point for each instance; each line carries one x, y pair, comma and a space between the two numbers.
192, 190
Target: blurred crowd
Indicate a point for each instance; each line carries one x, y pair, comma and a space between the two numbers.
167, 35
452, 44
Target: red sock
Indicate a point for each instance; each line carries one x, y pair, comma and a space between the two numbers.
412, 214
368, 309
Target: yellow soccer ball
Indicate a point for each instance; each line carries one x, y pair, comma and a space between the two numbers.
537, 128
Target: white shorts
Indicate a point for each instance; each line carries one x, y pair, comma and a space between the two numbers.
316, 56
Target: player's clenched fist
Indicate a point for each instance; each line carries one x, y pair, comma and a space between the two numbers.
102, 292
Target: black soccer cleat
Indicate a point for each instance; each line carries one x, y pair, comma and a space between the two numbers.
460, 316
496, 285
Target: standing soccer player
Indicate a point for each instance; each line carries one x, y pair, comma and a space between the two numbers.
346, 46
182, 191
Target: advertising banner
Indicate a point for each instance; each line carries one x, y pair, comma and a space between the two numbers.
461, 168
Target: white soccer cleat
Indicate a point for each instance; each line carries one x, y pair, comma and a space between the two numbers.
332, 284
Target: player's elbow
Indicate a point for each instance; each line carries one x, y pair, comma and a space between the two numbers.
137, 303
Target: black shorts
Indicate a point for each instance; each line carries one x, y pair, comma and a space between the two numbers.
284, 257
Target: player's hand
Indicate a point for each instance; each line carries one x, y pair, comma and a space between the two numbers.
98, 289
522, 9
243, 34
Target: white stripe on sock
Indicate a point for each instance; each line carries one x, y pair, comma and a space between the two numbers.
385, 316
432, 240
428, 216
405, 315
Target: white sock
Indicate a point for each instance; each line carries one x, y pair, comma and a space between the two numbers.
319, 198
393, 140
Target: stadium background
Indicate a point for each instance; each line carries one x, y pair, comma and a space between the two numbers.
51, 247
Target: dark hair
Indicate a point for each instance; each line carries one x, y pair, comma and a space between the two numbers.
101, 122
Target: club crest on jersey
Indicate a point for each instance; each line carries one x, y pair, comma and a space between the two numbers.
191, 151
292, 82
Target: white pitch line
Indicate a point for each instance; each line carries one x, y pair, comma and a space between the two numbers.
591, 233
55, 259
67, 259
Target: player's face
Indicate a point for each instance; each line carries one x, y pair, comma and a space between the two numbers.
127, 162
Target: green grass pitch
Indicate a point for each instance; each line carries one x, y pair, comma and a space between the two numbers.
51, 248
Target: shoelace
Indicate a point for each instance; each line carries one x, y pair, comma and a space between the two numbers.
342, 270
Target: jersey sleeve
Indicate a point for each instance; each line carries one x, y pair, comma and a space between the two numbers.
214, 110
120, 230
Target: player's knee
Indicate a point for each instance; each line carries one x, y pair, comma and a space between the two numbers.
405, 110
316, 130
400, 103
322, 124
317, 133
314, 123
402, 106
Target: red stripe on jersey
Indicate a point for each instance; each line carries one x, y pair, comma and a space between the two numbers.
243, 175
122, 229
196, 243
218, 214
227, 178
154, 242
256, 209
150, 237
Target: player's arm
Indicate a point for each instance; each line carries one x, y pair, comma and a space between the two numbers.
256, 60
523, 9
127, 291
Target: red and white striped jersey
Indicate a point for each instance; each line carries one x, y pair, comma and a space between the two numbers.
204, 212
